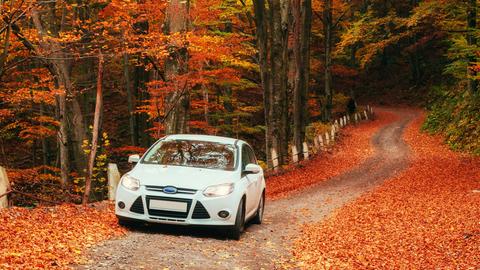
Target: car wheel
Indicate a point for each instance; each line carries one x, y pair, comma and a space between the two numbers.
239, 226
261, 207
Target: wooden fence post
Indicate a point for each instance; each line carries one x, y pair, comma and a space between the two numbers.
274, 159
305, 150
366, 115
327, 138
348, 118
113, 180
333, 134
4, 184
294, 154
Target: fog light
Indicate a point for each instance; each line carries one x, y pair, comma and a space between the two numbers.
121, 205
223, 214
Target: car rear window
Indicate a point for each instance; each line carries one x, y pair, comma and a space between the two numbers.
200, 154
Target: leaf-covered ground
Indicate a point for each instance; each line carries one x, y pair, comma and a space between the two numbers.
352, 149
427, 217
54, 237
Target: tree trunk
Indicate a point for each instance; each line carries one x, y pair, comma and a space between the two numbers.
130, 102
59, 66
262, 45
176, 65
472, 41
278, 112
327, 30
302, 12
95, 131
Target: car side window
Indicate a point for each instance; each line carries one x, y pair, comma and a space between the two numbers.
253, 159
245, 157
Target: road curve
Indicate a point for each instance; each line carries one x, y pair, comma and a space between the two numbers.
262, 246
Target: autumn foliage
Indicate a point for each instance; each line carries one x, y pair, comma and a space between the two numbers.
425, 218
53, 238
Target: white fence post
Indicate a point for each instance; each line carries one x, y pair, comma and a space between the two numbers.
316, 144
320, 140
113, 179
366, 115
333, 134
4, 184
327, 138
274, 159
294, 154
305, 150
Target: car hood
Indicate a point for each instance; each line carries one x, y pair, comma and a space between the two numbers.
179, 176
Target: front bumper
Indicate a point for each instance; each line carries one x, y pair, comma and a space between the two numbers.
201, 210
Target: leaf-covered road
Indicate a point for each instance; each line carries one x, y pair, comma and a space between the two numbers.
268, 245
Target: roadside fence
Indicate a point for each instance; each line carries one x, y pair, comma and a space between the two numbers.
321, 142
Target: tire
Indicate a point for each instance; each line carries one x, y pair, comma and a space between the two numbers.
260, 210
237, 230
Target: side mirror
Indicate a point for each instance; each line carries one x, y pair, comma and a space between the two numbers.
134, 158
252, 169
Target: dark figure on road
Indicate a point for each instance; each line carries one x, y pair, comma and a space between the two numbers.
351, 106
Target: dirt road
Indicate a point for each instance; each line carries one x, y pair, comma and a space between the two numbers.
262, 246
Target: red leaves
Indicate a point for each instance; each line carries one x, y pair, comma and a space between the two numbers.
52, 237
426, 217
353, 148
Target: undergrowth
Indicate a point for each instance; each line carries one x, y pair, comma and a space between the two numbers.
456, 115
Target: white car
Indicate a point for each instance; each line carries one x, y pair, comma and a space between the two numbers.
194, 180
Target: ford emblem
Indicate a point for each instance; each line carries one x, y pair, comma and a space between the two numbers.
170, 190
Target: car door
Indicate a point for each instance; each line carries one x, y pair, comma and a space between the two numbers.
257, 178
249, 180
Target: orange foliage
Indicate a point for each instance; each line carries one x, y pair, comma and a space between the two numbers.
352, 149
425, 218
53, 238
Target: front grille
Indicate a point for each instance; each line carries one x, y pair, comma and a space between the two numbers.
137, 206
179, 190
170, 214
199, 212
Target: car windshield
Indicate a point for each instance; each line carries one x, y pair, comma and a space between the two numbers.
200, 154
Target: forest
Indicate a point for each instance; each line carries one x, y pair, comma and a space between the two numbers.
85, 83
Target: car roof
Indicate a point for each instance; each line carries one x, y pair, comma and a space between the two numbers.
206, 138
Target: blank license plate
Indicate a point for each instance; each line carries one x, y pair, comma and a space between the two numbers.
168, 206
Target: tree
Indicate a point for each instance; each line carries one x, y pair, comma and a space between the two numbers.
95, 131
302, 16
176, 24
273, 69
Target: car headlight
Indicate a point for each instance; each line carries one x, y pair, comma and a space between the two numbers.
130, 182
219, 190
